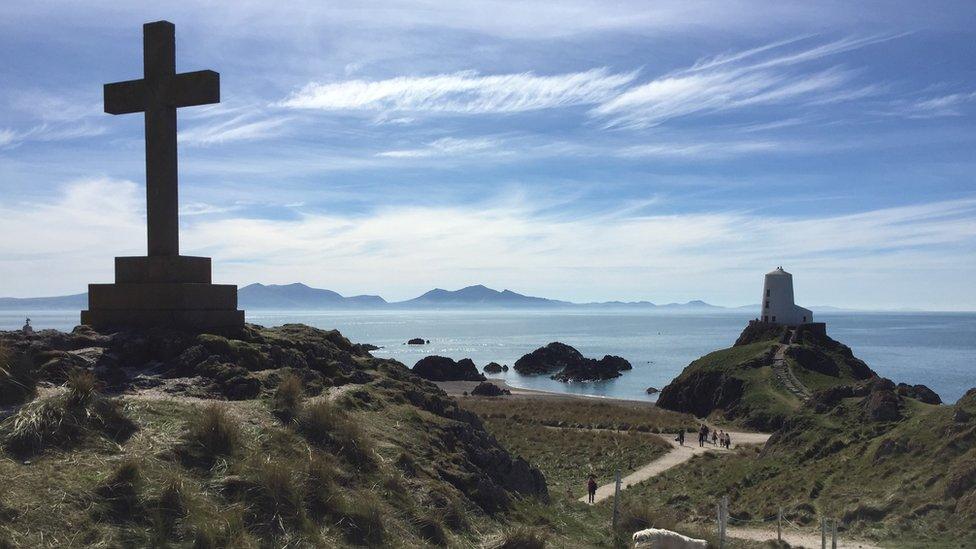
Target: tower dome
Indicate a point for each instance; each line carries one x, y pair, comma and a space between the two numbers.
778, 306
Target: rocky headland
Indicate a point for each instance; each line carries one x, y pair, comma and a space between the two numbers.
277, 436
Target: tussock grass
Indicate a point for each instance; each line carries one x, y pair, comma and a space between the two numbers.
211, 434
522, 537
119, 494
65, 420
273, 493
17, 382
287, 401
361, 519
431, 529
326, 426
637, 516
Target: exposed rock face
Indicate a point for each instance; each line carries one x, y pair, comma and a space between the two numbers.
882, 405
919, 392
568, 364
486, 388
761, 331
440, 368
417, 341
702, 392
652, 390
493, 368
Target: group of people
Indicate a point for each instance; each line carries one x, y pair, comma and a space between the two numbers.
719, 437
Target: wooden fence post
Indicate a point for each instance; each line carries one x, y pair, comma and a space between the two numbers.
779, 526
833, 534
616, 499
823, 533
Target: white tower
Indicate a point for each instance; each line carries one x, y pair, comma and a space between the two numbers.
777, 303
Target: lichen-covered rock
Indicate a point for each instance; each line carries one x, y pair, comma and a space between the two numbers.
588, 369
493, 368
440, 368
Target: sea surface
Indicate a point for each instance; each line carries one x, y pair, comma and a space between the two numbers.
935, 349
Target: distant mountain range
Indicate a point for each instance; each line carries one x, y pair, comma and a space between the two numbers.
299, 296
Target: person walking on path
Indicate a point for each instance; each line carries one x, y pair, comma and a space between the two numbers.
591, 487
681, 437
714, 438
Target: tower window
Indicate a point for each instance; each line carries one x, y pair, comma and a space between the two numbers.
774, 318
767, 292
767, 304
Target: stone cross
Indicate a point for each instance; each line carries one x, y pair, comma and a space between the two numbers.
158, 94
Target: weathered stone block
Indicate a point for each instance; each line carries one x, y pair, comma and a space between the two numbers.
174, 268
163, 296
145, 318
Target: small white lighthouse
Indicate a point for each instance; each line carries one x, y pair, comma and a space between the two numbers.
777, 303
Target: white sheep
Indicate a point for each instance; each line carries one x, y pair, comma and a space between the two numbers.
655, 538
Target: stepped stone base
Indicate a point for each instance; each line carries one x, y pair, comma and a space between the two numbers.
168, 291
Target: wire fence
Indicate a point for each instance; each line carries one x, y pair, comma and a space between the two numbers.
828, 526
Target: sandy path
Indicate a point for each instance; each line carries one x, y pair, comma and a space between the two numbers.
810, 540
678, 455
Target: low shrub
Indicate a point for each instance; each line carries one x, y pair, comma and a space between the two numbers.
324, 425
65, 420
287, 400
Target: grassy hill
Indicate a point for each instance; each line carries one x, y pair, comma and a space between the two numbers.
741, 383
268, 437
888, 467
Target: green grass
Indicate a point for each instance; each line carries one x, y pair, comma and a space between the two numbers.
580, 412
568, 456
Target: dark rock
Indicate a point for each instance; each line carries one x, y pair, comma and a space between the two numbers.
489, 389
493, 368
417, 341
568, 364
961, 416
588, 369
882, 405
652, 390
552, 358
505, 367
439, 368
919, 392
814, 359
701, 392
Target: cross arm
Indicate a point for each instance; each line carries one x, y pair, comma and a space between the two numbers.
125, 97
195, 88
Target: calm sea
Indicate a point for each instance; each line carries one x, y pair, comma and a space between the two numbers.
936, 349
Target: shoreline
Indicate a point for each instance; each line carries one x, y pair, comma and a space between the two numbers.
458, 388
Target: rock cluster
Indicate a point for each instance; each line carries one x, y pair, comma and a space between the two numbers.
567, 364
494, 368
442, 368
486, 388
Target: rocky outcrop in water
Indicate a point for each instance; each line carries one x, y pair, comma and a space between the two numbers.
568, 364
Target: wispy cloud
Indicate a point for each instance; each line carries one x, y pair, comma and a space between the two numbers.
48, 132
464, 92
446, 146
734, 81
702, 149
953, 104
242, 127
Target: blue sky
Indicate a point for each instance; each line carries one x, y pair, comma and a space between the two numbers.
577, 150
